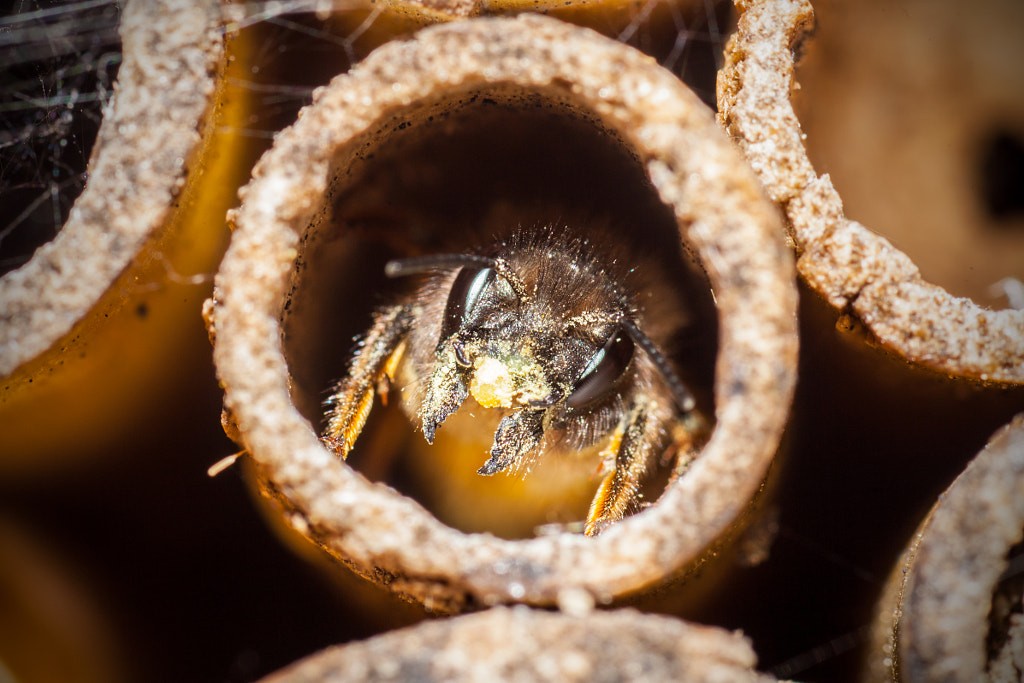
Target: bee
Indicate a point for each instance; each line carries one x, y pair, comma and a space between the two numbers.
558, 339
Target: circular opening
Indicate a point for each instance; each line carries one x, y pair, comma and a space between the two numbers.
292, 203
449, 179
149, 144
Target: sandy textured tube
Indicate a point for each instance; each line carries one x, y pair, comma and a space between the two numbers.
721, 214
94, 327
919, 139
146, 146
448, 10
950, 611
857, 271
525, 644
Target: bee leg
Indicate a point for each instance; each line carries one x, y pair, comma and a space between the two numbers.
688, 437
446, 391
517, 435
634, 444
374, 362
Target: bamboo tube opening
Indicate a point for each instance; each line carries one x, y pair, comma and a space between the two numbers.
885, 105
875, 285
52, 103
445, 177
719, 213
146, 146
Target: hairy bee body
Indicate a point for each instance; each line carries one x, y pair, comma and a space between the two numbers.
552, 342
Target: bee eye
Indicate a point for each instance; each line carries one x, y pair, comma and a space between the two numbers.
604, 369
469, 284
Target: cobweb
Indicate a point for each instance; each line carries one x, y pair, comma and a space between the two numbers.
60, 61
59, 66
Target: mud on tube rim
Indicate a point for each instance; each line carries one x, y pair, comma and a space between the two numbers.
724, 216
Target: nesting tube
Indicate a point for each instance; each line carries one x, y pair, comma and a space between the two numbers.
858, 272
721, 215
528, 644
953, 607
449, 10
923, 142
88, 324
146, 145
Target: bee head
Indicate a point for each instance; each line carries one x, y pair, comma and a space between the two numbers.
535, 331
521, 341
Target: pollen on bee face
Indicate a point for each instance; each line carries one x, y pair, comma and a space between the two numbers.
492, 384
507, 382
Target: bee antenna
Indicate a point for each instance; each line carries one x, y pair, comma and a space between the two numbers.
420, 264
679, 391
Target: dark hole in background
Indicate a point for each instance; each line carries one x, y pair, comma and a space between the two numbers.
1001, 176
1006, 603
912, 155
449, 181
52, 91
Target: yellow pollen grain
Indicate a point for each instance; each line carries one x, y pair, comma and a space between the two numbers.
492, 384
